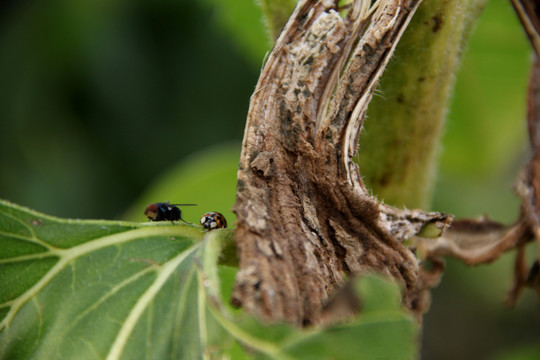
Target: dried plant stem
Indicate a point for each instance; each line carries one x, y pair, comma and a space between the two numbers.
304, 215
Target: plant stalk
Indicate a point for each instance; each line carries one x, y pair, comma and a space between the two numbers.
402, 131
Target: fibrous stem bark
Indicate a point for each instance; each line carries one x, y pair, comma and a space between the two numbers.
304, 216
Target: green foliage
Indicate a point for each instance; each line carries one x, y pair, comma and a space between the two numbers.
95, 288
86, 289
402, 134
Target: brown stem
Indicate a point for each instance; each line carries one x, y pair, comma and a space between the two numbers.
304, 216
520, 277
528, 12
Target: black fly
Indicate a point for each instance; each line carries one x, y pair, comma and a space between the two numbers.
164, 211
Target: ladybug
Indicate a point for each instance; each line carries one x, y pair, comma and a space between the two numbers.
164, 211
213, 220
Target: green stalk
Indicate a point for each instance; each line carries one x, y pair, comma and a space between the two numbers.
276, 13
400, 142
402, 132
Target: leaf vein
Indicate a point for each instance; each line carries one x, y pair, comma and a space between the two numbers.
130, 322
75, 252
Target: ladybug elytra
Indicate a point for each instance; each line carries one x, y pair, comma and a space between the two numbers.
213, 220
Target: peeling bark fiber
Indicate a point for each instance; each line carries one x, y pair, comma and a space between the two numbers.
305, 218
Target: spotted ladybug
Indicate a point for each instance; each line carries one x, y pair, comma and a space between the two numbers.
164, 211
213, 220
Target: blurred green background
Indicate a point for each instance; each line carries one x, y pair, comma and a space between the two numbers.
107, 105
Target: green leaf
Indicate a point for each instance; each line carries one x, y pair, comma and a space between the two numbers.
74, 289
383, 331
87, 289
